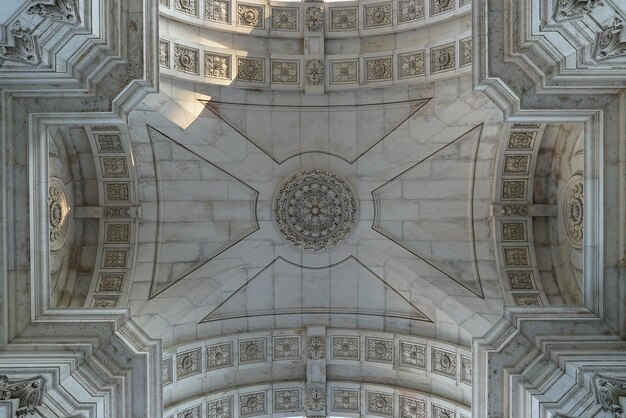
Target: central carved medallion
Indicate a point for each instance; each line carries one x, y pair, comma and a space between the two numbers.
315, 209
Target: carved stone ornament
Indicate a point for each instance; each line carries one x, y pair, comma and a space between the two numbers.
58, 211
574, 211
315, 400
609, 391
24, 48
567, 9
314, 71
29, 392
315, 209
314, 18
62, 11
316, 347
609, 43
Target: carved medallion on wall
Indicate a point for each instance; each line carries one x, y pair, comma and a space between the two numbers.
58, 211
574, 210
315, 209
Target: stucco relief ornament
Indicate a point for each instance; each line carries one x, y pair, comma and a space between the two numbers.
314, 18
576, 8
609, 391
62, 11
315, 209
315, 399
609, 43
574, 211
29, 392
58, 210
24, 49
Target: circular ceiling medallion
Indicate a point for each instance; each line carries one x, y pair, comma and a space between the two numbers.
315, 209
58, 210
574, 210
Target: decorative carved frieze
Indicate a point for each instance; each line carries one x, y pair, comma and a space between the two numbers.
345, 347
252, 351
514, 210
217, 11
250, 69
345, 400
61, 11
251, 404
377, 15
114, 258
315, 399
379, 69
110, 282
314, 71
193, 412
609, 390
521, 141
188, 363
410, 10
441, 412
116, 192
516, 256
379, 350
609, 43
285, 18
186, 59
444, 363
567, 9
24, 50
516, 164
520, 280
343, 18
116, 232
514, 189
514, 231
189, 7
28, 392
110, 142
527, 299
114, 167
220, 408
116, 212
249, 15
411, 64
442, 58
287, 400
105, 301
380, 404
316, 347
219, 355
412, 408
285, 72
314, 18
413, 355
441, 6
344, 71
217, 65
286, 348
